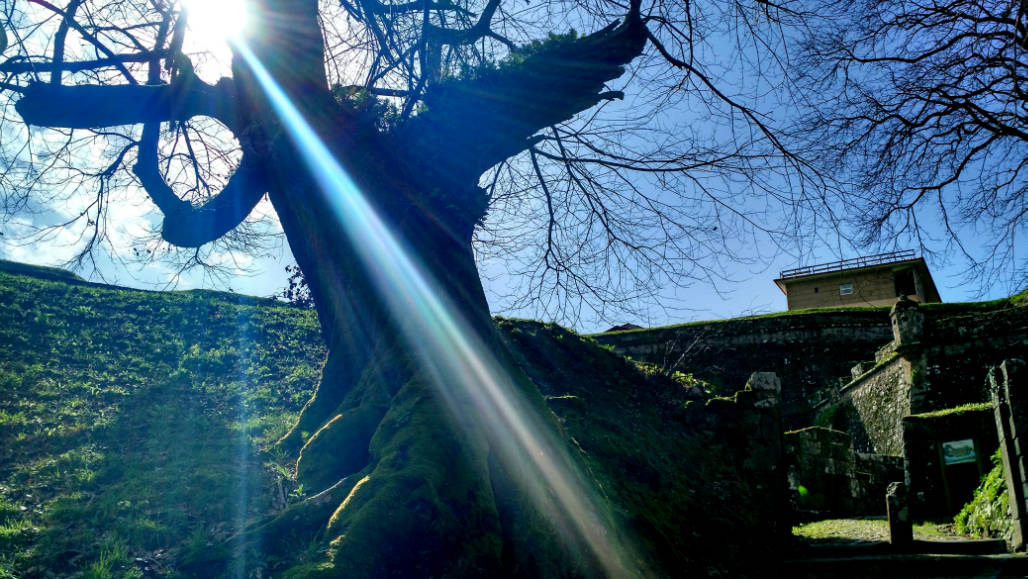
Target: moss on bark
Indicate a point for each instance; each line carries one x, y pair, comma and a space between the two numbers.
424, 506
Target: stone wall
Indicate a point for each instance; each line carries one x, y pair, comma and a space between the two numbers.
748, 428
807, 351
951, 362
876, 403
926, 360
828, 479
820, 464
1010, 409
873, 474
947, 358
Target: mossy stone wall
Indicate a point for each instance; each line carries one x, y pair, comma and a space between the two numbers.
813, 352
960, 344
820, 465
880, 399
828, 479
806, 350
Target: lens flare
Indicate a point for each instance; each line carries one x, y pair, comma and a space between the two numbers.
461, 371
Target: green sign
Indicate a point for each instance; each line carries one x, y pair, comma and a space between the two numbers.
958, 451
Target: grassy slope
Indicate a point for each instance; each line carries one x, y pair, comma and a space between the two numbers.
131, 425
129, 420
674, 479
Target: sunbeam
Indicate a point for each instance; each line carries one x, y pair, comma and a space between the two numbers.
461, 371
241, 506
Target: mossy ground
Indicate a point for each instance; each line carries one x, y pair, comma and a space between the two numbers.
131, 422
869, 529
675, 485
971, 407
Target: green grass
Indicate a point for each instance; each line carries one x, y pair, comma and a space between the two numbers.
133, 423
969, 308
864, 529
844, 529
1017, 300
38, 271
684, 379
803, 312
962, 409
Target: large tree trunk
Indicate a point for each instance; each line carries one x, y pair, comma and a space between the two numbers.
410, 479
370, 355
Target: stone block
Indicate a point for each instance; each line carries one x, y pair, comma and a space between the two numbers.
897, 505
861, 369
1008, 408
907, 323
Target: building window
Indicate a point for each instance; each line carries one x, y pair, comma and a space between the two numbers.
905, 283
845, 289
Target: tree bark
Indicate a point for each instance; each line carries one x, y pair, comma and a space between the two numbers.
422, 499
428, 492
91, 106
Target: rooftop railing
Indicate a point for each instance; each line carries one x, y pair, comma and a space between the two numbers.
866, 261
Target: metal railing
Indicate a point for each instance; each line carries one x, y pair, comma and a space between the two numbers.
866, 261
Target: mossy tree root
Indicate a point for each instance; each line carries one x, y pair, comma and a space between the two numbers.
337, 447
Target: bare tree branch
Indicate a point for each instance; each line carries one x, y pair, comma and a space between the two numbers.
20, 67
85, 106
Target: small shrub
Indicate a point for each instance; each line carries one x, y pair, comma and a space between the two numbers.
298, 293
988, 513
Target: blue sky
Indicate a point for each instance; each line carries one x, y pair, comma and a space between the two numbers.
750, 291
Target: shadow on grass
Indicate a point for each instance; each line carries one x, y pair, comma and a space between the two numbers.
166, 471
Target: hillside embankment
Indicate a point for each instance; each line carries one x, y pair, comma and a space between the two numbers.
137, 430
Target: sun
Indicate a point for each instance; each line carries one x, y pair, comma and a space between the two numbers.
216, 21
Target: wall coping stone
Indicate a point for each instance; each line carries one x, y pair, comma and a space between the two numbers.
879, 368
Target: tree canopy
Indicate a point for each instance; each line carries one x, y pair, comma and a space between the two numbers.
920, 109
673, 168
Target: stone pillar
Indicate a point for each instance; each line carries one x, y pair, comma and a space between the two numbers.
907, 341
765, 463
897, 505
1011, 410
907, 323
